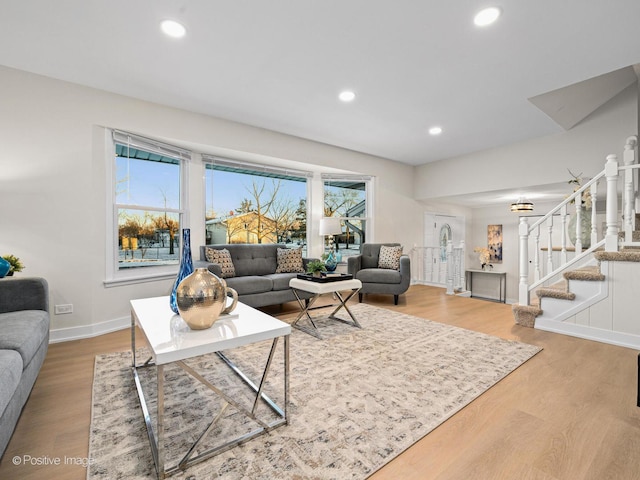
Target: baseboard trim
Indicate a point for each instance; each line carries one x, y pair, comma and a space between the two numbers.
620, 339
88, 331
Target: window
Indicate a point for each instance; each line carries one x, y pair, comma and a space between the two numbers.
255, 204
346, 197
148, 204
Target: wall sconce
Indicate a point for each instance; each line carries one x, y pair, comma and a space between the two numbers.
522, 205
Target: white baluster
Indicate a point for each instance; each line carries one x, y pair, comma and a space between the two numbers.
550, 245
563, 223
523, 285
611, 172
449, 268
536, 254
578, 231
627, 198
594, 221
463, 280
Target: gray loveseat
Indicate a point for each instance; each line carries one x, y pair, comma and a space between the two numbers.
255, 280
24, 340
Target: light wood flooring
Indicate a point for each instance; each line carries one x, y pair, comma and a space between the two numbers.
568, 413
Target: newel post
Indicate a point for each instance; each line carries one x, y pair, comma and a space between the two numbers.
611, 173
629, 201
450, 262
523, 286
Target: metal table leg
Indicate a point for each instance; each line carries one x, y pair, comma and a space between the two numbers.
156, 436
307, 307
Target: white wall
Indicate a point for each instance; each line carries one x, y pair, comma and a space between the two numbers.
539, 161
53, 188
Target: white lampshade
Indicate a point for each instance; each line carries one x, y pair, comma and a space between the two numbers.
330, 226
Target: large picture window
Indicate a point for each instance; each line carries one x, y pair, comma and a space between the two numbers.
346, 197
254, 204
148, 205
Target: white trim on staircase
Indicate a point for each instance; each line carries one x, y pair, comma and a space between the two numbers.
590, 333
587, 293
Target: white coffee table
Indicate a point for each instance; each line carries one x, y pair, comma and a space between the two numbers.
320, 288
171, 341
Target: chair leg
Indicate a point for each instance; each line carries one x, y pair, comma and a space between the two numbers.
395, 299
359, 298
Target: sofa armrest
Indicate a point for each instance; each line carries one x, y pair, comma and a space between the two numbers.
30, 293
405, 270
354, 264
214, 268
306, 261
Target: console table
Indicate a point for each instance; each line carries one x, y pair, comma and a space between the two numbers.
502, 283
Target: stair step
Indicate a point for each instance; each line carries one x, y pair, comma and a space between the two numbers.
525, 315
587, 273
555, 293
621, 256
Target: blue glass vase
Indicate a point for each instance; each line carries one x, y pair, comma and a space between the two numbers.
186, 267
331, 263
5, 266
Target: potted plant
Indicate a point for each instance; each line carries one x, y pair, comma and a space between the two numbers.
16, 264
316, 267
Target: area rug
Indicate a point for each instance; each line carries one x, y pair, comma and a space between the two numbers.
358, 398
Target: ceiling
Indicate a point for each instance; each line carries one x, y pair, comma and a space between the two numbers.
280, 64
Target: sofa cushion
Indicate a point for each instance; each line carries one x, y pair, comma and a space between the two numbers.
223, 258
10, 373
379, 275
250, 284
389, 257
281, 280
254, 259
289, 260
23, 331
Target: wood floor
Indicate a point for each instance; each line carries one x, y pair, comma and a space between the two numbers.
568, 413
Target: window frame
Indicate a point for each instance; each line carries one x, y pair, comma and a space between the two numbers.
368, 181
114, 275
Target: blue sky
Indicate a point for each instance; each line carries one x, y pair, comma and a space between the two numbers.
226, 190
140, 182
145, 183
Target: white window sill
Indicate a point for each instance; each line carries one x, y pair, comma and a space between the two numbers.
132, 280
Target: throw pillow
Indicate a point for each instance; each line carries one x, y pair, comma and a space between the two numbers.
222, 258
390, 257
289, 260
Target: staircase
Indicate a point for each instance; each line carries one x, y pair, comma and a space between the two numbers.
576, 295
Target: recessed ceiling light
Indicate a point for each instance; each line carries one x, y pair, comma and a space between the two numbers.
435, 130
347, 96
487, 16
173, 29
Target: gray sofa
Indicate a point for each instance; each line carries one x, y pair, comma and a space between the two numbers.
24, 340
364, 267
255, 280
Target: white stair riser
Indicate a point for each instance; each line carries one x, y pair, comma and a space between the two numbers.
587, 293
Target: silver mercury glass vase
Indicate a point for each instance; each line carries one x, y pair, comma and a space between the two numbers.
202, 298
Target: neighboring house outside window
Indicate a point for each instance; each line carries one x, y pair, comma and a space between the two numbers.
255, 204
242, 228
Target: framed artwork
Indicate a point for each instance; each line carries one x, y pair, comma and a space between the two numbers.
494, 242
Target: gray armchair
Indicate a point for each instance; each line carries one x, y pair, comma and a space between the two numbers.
364, 267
